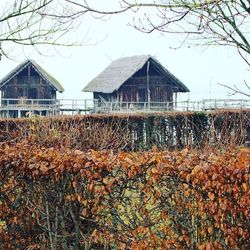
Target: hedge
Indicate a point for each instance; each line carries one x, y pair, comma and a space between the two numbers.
62, 198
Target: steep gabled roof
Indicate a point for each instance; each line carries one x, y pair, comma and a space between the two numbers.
119, 71
44, 74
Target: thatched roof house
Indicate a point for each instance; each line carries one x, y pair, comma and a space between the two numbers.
29, 80
135, 79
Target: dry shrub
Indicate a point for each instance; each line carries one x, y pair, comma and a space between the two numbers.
79, 132
173, 130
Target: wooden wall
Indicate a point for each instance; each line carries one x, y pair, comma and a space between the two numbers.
135, 90
28, 84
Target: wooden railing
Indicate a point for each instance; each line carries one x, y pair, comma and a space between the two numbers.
86, 106
64, 104
206, 104
47, 107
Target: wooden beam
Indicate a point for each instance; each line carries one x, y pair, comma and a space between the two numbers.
148, 89
29, 78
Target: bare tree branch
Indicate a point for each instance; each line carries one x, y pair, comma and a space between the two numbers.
36, 22
211, 22
236, 90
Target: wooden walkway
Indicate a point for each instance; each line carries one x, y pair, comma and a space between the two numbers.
45, 107
48, 107
204, 105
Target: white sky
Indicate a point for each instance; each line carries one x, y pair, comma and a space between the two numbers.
199, 68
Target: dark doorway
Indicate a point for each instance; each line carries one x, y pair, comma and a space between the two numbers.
33, 93
141, 94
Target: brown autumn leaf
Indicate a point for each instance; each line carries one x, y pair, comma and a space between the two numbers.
130, 174
121, 246
186, 193
128, 160
78, 152
79, 198
14, 220
210, 229
211, 196
31, 166
224, 205
74, 184
245, 187
106, 180
196, 169
90, 186
43, 168
188, 177
154, 170
184, 152
214, 176
180, 238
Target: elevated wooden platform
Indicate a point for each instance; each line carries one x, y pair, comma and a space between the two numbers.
44, 107
48, 107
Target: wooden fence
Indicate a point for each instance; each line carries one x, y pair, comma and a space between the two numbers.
50, 107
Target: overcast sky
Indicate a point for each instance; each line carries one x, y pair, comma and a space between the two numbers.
199, 68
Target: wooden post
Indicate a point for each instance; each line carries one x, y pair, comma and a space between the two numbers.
175, 100
29, 75
148, 89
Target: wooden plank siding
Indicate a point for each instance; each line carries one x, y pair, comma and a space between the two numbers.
28, 84
135, 90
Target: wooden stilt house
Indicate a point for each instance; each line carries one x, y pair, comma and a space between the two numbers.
136, 80
28, 88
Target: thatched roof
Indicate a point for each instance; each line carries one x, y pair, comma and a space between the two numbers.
119, 71
44, 74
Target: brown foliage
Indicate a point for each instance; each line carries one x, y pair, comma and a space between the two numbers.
61, 198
